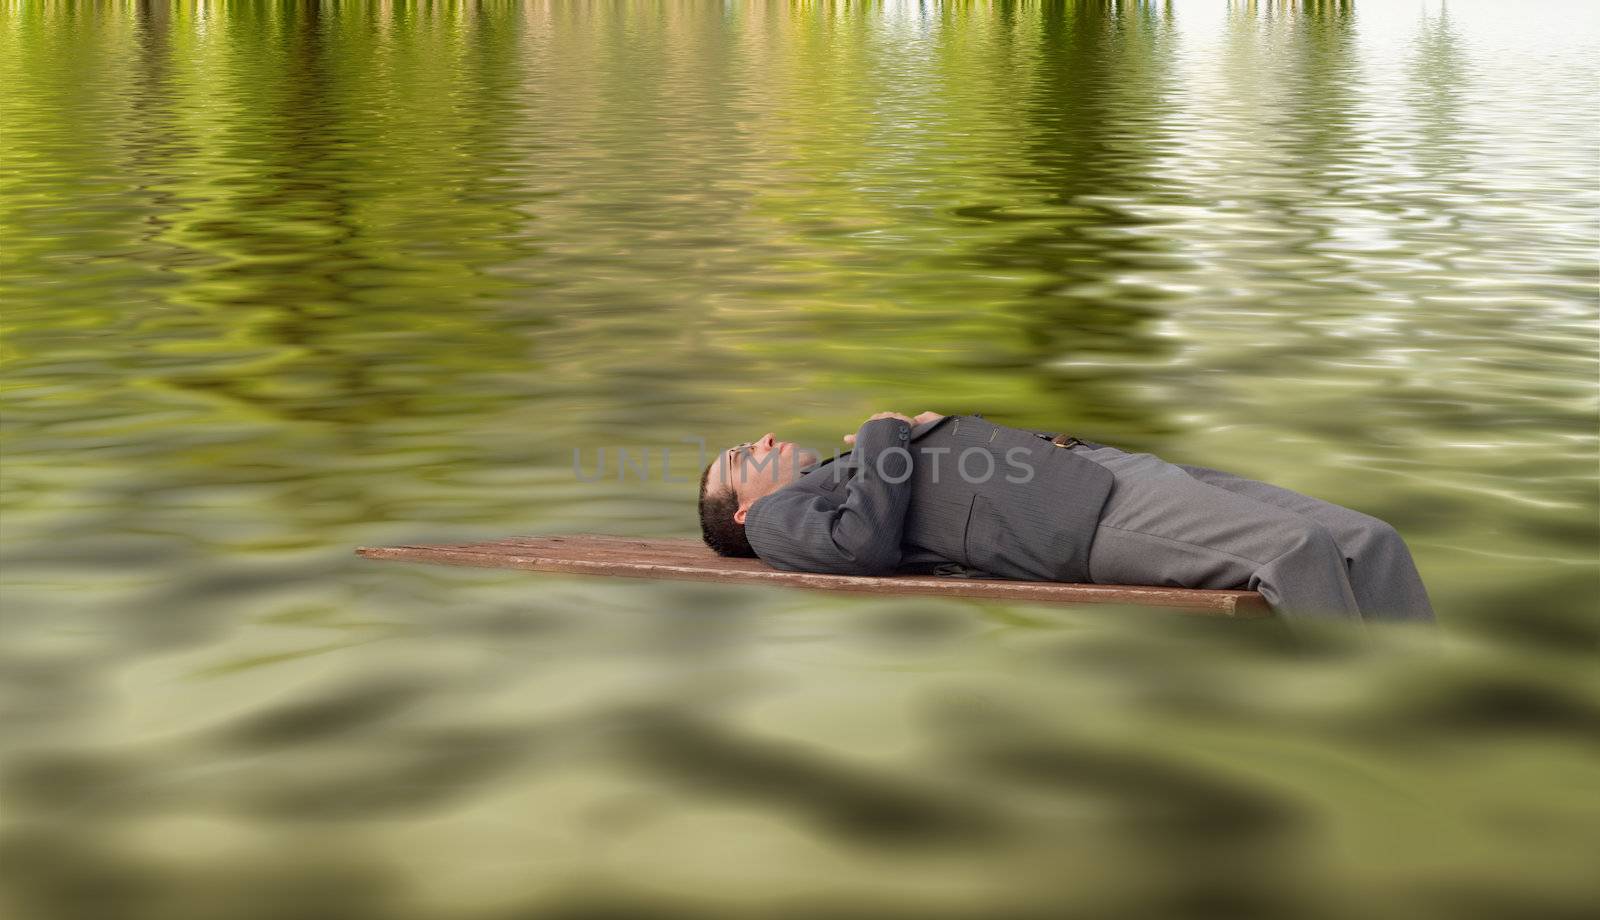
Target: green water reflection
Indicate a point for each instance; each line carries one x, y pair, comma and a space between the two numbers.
280, 279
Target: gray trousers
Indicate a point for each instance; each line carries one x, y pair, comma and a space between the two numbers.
1195, 527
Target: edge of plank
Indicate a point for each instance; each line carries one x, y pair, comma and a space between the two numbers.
1230, 603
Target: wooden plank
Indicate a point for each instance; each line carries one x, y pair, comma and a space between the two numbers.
690, 560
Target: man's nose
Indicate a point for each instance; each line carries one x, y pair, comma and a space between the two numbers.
766, 441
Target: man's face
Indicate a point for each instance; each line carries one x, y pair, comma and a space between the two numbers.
758, 468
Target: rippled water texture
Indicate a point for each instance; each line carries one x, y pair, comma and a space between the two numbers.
280, 279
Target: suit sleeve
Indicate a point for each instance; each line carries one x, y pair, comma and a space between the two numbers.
804, 532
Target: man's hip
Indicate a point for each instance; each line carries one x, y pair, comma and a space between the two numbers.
1162, 526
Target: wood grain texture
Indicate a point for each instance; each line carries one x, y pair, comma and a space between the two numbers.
690, 560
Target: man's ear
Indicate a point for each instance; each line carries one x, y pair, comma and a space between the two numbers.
738, 516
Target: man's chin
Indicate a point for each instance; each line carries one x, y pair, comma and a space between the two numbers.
806, 458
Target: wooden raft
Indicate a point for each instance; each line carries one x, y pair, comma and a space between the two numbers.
691, 560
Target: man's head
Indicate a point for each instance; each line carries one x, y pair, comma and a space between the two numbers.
736, 479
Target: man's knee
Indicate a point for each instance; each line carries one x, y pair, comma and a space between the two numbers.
1376, 536
1306, 539
1202, 473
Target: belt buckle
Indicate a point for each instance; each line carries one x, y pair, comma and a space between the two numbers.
1065, 440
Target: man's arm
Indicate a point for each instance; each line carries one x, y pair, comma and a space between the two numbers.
800, 531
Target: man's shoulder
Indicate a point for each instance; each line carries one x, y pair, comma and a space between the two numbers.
775, 522
784, 500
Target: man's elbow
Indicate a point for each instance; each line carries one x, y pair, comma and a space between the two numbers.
872, 560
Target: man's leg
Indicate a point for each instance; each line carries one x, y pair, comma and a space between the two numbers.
1381, 571
1162, 526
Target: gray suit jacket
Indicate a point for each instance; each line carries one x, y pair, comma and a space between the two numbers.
958, 495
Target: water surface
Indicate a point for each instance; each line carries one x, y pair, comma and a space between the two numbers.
280, 279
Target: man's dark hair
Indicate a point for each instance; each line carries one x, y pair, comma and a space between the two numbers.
721, 532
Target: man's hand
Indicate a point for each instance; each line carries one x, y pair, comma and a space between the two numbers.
924, 417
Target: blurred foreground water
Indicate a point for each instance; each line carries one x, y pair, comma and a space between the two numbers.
280, 279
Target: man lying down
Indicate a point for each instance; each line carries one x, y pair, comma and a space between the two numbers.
960, 495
